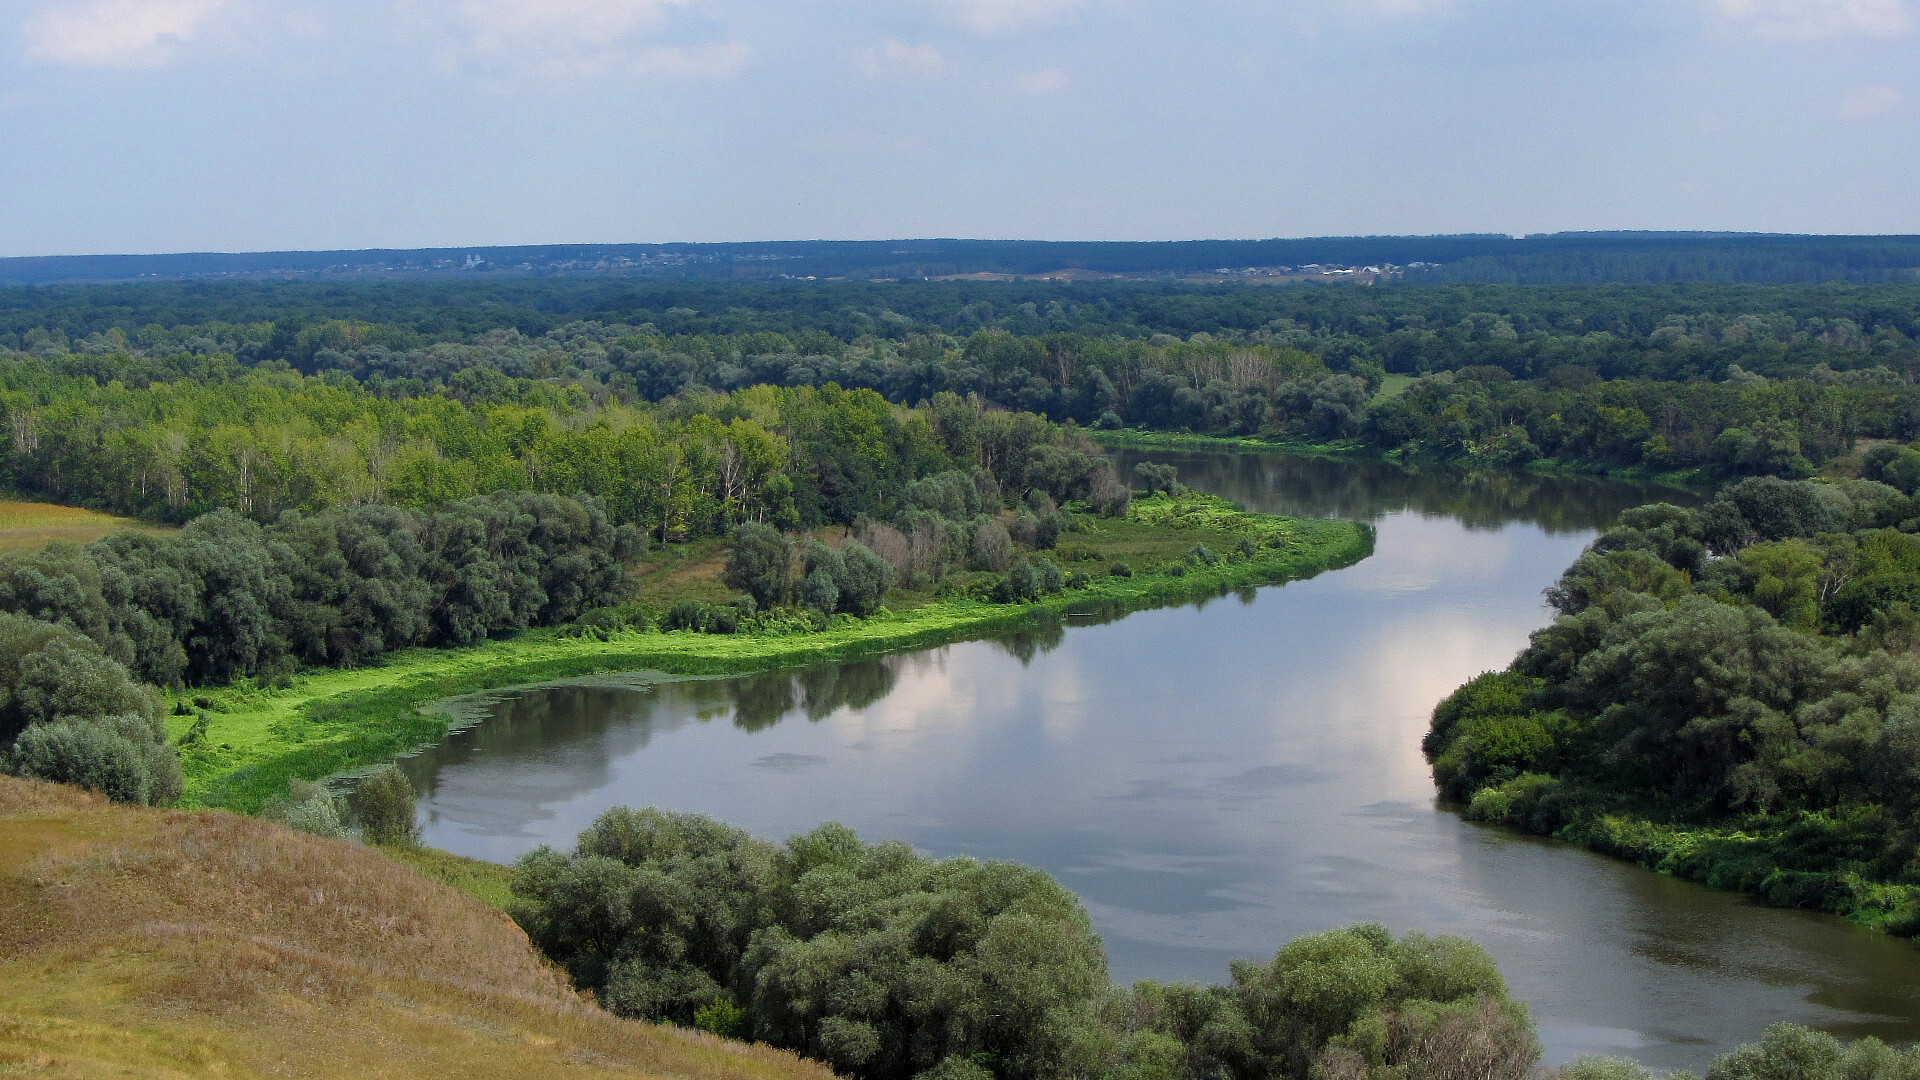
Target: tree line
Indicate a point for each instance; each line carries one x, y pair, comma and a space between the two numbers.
261, 442
1736, 380
91, 631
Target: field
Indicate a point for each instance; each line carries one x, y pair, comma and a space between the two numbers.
29, 526
149, 943
1141, 438
331, 721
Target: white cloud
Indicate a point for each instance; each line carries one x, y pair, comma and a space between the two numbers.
995, 16
1043, 81
899, 56
717, 61
584, 23
563, 39
119, 33
1865, 102
1801, 19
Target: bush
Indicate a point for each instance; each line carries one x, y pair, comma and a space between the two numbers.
864, 580
80, 717
992, 547
760, 564
723, 1018
1155, 479
386, 808
1022, 583
1051, 580
1025, 528
88, 755
1120, 569
685, 615
819, 592
310, 808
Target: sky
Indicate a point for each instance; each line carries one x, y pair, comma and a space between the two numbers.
247, 125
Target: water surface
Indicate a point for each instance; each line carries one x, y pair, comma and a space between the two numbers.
1216, 779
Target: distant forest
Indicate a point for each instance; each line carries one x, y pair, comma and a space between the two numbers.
1558, 258
1728, 380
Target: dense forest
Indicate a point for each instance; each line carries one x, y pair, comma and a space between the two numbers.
1723, 380
1730, 693
1625, 257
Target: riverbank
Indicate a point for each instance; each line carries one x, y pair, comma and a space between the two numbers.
1143, 439
1694, 481
1832, 862
325, 722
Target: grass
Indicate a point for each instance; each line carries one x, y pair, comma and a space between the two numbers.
329, 722
152, 943
1393, 386
1143, 438
489, 883
30, 526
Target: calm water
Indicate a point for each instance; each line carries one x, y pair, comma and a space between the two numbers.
1215, 780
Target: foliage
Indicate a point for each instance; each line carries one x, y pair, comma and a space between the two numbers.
1785, 1052
349, 395
760, 563
384, 806
71, 713
310, 808
225, 598
1732, 694
888, 964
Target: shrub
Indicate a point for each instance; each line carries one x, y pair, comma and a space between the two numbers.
1023, 582
89, 755
1025, 528
1051, 580
386, 808
864, 580
1155, 479
685, 615
723, 1018
819, 592
992, 547
51, 673
1120, 569
310, 808
760, 564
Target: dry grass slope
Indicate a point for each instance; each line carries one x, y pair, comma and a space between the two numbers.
30, 526
150, 943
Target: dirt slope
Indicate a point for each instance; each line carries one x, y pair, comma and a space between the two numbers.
172, 944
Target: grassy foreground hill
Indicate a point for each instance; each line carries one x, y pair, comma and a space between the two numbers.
149, 943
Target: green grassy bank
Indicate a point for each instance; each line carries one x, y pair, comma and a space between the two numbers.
1835, 861
1143, 439
256, 738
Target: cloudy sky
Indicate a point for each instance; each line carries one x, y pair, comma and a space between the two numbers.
169, 125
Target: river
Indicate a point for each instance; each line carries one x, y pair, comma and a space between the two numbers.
1216, 779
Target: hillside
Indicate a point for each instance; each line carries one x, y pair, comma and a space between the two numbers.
30, 526
152, 943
